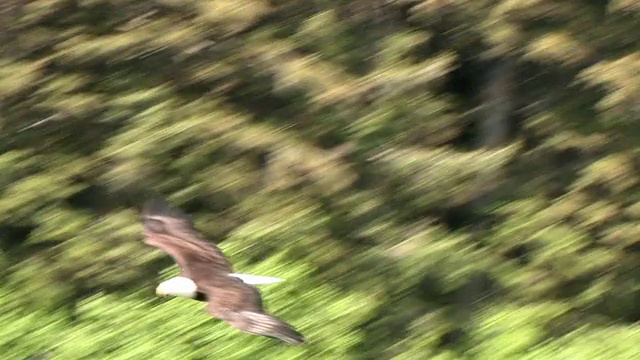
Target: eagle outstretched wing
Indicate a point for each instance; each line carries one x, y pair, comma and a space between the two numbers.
171, 231
240, 305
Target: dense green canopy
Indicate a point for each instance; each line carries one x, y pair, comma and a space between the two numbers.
435, 179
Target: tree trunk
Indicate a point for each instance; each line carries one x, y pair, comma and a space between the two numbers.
497, 105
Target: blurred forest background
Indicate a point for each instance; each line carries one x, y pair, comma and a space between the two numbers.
435, 179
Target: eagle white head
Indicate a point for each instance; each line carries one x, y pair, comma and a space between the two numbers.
178, 286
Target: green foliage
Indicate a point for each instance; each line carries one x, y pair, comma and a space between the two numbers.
346, 146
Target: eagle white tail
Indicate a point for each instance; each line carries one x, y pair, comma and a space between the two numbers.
256, 279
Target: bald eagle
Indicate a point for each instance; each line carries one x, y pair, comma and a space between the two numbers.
206, 275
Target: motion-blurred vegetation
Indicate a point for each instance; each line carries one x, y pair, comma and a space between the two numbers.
435, 179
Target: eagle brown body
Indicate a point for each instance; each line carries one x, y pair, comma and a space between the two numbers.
228, 298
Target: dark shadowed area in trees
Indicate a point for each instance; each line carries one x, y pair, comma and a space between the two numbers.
434, 179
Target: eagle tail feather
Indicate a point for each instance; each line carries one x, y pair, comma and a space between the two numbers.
256, 279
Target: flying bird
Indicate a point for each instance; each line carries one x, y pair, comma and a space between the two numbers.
206, 275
